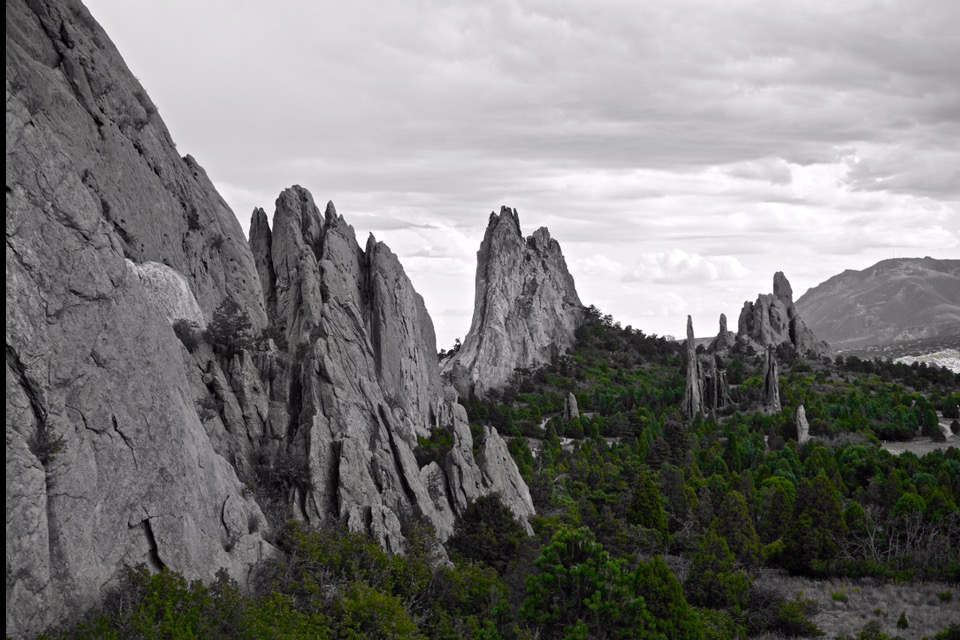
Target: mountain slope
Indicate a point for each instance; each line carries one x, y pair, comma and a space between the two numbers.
893, 301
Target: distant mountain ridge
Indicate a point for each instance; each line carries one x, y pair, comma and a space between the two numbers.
893, 301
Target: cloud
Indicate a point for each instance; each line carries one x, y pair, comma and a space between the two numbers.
666, 145
679, 266
773, 170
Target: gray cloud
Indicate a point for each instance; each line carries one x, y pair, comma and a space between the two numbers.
723, 132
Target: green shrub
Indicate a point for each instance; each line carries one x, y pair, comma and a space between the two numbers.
230, 328
189, 334
487, 532
902, 622
44, 444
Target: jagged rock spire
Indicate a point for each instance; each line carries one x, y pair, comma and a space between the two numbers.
693, 393
771, 382
803, 428
725, 338
773, 320
526, 307
370, 384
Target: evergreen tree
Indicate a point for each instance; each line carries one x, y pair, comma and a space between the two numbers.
713, 580
646, 506
487, 532
810, 542
734, 523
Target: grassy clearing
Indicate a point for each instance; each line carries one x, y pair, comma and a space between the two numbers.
846, 606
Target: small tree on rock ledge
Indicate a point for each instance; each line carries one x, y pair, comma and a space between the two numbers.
230, 330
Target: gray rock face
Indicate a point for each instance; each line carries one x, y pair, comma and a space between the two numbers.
169, 290
693, 392
725, 338
570, 409
526, 307
367, 382
713, 381
773, 320
771, 382
123, 446
108, 463
706, 388
803, 427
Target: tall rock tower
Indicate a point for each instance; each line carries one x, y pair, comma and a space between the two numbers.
526, 307
773, 320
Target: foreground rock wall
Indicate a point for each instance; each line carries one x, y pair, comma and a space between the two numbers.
108, 463
126, 445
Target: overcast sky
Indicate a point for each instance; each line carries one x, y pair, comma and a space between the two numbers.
680, 151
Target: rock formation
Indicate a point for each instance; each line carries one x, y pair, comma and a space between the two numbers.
706, 386
693, 392
725, 338
108, 462
771, 382
803, 428
526, 307
126, 444
570, 409
368, 383
773, 320
713, 382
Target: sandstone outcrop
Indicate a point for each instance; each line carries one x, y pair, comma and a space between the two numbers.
771, 382
126, 445
367, 382
725, 338
706, 389
713, 382
693, 392
570, 409
773, 320
803, 427
108, 462
526, 308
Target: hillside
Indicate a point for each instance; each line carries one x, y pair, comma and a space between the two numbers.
891, 302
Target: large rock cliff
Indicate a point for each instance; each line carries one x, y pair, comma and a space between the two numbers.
773, 320
110, 234
129, 441
526, 308
367, 381
706, 389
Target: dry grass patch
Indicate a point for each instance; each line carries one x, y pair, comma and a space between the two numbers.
847, 605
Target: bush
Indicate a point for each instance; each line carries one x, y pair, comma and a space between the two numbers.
230, 329
793, 618
434, 448
208, 408
193, 220
487, 532
44, 444
189, 333
276, 334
